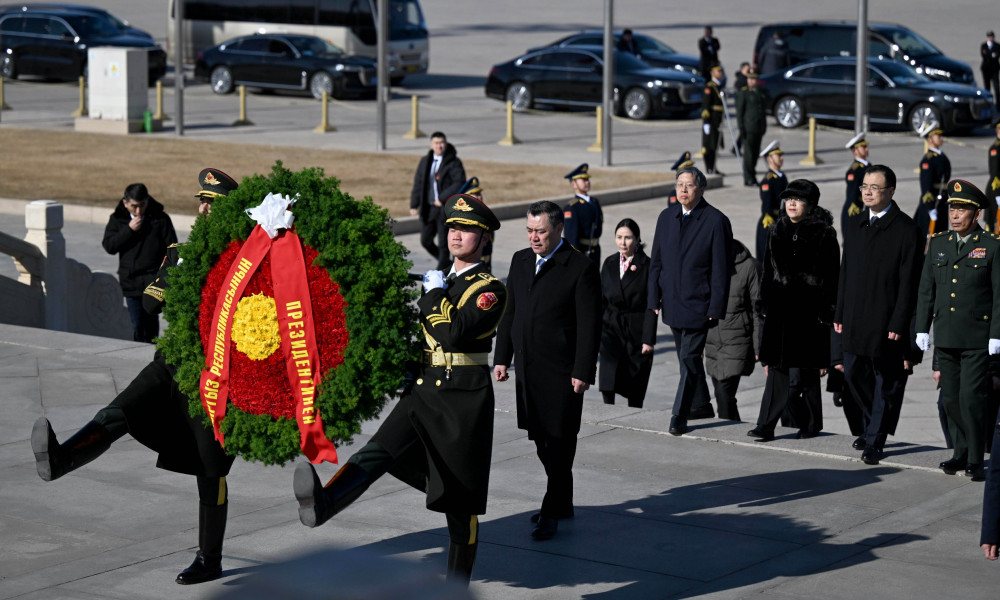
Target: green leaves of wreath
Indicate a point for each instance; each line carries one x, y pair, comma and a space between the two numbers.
360, 254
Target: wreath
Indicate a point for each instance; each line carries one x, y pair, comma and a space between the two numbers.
362, 312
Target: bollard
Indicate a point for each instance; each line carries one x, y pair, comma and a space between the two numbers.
3, 104
598, 144
324, 125
243, 108
81, 110
811, 159
414, 131
159, 102
509, 139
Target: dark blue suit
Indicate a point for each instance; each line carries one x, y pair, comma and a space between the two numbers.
690, 268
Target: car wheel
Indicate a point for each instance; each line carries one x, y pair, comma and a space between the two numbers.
789, 112
7, 68
924, 114
221, 80
321, 82
637, 104
519, 95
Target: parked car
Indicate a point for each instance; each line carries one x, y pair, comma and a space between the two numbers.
573, 77
124, 26
812, 40
51, 41
897, 95
651, 50
286, 62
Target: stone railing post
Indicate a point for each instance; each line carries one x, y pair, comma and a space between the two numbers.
44, 220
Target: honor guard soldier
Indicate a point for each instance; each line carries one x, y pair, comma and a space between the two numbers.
750, 116
855, 173
583, 217
680, 163
960, 293
935, 171
771, 187
472, 188
993, 185
711, 117
439, 437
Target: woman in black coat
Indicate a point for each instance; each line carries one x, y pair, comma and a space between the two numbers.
798, 299
629, 329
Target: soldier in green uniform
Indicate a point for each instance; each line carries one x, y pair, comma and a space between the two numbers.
855, 173
155, 413
935, 171
992, 188
583, 217
960, 292
711, 118
771, 187
750, 116
439, 437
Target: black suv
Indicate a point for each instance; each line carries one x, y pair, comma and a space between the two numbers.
51, 41
822, 39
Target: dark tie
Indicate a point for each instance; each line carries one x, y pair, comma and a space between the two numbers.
450, 279
872, 222
685, 217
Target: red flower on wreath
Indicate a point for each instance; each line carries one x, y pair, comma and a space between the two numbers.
258, 377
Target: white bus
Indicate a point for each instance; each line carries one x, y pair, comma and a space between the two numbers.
349, 24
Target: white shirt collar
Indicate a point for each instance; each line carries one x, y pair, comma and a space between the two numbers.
453, 272
539, 257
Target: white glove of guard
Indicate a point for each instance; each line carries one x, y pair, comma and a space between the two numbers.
924, 341
706, 128
998, 200
933, 214
433, 280
994, 346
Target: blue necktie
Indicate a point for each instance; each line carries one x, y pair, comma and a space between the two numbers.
872, 222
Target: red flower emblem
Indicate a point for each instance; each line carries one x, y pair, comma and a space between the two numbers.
486, 300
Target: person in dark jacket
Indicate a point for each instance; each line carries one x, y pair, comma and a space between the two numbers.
583, 218
139, 232
773, 55
732, 347
708, 52
798, 296
989, 536
439, 176
629, 330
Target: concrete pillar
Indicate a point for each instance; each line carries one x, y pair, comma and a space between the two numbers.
44, 220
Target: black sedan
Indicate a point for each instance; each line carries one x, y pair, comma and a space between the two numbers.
651, 50
572, 77
286, 62
897, 95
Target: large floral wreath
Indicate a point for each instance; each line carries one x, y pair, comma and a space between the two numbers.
362, 314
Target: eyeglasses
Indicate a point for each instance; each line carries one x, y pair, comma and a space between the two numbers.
873, 188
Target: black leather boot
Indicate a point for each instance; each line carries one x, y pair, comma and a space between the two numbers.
317, 504
53, 460
461, 558
207, 563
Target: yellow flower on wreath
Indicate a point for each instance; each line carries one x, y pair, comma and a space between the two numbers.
255, 326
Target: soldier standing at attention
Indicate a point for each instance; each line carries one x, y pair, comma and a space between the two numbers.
474, 189
935, 171
771, 187
960, 293
711, 117
582, 217
750, 117
855, 173
993, 185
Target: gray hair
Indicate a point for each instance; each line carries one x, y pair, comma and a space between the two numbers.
699, 178
544, 207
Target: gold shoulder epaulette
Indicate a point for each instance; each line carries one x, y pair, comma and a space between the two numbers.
771, 175
176, 245
940, 233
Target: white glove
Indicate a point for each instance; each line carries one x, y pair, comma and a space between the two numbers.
433, 280
706, 128
998, 200
924, 341
994, 347
933, 214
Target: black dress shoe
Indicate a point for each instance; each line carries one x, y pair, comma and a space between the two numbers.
703, 412
871, 455
860, 443
678, 426
952, 466
200, 571
976, 472
562, 514
546, 529
761, 433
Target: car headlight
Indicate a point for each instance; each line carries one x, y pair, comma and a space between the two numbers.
950, 98
939, 73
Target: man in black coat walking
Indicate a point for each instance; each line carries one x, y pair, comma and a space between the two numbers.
552, 331
990, 66
879, 274
439, 176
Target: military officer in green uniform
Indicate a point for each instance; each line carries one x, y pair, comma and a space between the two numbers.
583, 217
771, 186
992, 188
855, 174
750, 117
935, 171
960, 293
711, 118
155, 413
439, 437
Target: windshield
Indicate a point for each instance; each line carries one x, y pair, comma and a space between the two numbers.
909, 43
406, 20
93, 27
901, 73
313, 46
628, 62
648, 44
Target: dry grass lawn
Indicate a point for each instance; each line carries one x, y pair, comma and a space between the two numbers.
93, 169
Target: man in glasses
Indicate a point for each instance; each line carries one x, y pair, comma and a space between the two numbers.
879, 273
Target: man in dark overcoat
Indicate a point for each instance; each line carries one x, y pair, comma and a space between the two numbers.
689, 276
440, 174
989, 536
551, 332
879, 273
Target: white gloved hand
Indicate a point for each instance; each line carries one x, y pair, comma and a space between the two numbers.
933, 214
706, 128
994, 346
433, 280
924, 341
998, 200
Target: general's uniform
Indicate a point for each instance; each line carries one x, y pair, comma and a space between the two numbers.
992, 188
771, 187
711, 119
753, 125
583, 220
935, 171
